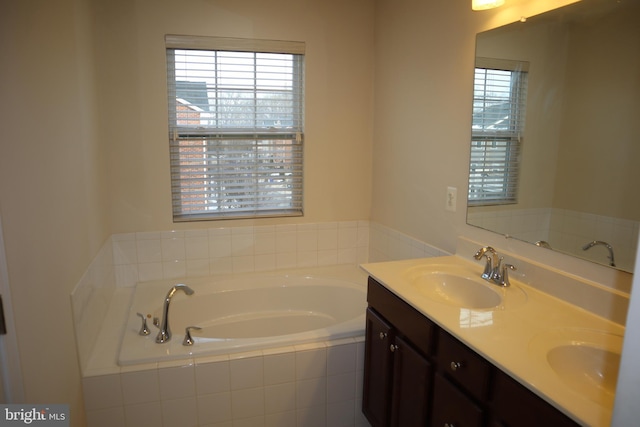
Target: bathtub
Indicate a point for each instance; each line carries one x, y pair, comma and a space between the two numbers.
247, 312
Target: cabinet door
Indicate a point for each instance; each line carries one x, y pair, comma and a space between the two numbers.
411, 386
452, 408
378, 360
514, 405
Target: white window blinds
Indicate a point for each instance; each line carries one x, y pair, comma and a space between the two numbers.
236, 127
498, 121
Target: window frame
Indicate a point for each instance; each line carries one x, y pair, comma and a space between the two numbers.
263, 163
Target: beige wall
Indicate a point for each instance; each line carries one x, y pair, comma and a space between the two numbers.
52, 184
339, 99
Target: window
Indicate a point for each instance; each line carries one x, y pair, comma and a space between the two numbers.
235, 127
499, 99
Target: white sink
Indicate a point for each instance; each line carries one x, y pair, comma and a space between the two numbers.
585, 360
459, 287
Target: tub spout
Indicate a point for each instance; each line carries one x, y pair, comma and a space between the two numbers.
165, 332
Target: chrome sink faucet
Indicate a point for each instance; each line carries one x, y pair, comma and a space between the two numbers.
494, 270
165, 332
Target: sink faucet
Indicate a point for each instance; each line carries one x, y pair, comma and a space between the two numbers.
165, 332
593, 243
494, 270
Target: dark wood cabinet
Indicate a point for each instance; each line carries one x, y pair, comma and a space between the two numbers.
516, 406
417, 374
376, 400
452, 407
411, 384
463, 366
397, 384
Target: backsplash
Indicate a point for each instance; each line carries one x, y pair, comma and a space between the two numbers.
387, 244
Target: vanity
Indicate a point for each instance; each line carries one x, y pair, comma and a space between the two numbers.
446, 348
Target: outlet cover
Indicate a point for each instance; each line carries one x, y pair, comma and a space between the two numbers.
452, 196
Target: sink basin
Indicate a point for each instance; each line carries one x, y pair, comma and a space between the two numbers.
456, 290
459, 287
588, 368
585, 360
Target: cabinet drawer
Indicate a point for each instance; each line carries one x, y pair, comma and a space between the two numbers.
463, 365
452, 408
413, 325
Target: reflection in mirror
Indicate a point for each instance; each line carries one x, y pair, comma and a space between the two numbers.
556, 162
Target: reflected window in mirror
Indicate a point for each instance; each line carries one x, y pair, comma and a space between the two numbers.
499, 100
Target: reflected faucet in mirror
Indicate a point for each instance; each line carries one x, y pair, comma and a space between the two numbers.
589, 245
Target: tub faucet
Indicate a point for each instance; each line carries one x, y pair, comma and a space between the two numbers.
165, 332
593, 243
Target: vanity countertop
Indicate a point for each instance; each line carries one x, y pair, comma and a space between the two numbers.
515, 336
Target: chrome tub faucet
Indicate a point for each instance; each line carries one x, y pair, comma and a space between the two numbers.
165, 332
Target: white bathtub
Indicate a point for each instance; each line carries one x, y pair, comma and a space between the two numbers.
247, 312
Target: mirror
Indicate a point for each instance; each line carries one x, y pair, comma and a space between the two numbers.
579, 152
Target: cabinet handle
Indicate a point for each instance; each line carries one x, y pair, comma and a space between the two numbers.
454, 367
383, 335
393, 348
449, 425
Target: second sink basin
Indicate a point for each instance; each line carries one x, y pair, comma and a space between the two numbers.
458, 287
585, 360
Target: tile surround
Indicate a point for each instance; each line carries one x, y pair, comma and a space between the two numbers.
302, 386
165, 255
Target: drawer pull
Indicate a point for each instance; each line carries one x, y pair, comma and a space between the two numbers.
393, 348
383, 335
449, 425
454, 367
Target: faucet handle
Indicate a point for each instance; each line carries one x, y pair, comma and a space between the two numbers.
483, 252
188, 340
488, 252
504, 274
144, 329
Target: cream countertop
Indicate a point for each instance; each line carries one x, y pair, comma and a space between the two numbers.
514, 337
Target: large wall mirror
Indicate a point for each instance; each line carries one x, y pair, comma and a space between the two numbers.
569, 142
